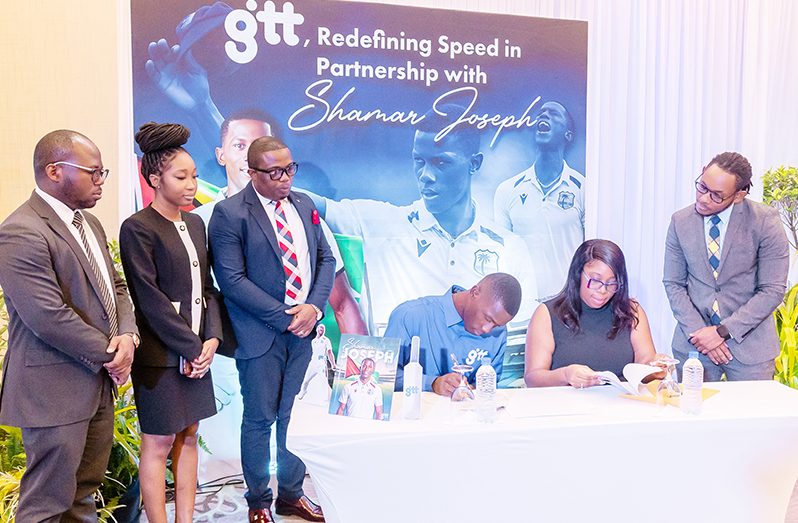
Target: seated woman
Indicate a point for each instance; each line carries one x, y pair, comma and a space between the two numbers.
592, 325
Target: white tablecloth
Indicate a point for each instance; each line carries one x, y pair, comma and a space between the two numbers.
576, 455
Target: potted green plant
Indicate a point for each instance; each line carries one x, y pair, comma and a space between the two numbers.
119, 494
780, 190
787, 360
12, 466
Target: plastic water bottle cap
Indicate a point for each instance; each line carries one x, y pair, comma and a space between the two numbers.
693, 354
415, 344
485, 360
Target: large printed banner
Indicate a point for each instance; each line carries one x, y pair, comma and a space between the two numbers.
439, 146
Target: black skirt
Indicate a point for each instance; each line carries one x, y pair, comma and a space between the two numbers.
167, 402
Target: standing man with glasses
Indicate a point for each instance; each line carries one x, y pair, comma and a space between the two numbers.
275, 269
726, 263
72, 332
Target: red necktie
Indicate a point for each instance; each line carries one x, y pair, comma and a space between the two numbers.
293, 283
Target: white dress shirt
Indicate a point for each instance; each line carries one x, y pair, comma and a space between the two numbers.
300, 241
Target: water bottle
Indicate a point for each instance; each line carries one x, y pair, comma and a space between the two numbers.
486, 392
692, 381
413, 383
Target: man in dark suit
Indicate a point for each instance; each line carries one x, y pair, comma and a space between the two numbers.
275, 270
726, 263
71, 332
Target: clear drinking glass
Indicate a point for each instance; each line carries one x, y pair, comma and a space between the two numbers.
463, 398
668, 387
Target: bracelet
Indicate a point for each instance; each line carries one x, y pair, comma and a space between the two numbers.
136, 339
318, 311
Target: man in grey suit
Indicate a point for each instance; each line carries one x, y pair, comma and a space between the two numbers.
275, 270
72, 332
726, 262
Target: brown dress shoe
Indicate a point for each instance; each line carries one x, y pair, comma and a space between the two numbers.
260, 515
303, 507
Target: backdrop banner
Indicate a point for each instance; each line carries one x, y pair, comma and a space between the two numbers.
439, 146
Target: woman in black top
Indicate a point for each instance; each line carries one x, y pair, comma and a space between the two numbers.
177, 310
592, 325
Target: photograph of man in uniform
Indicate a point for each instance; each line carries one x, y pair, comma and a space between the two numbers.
419, 249
362, 398
545, 204
316, 386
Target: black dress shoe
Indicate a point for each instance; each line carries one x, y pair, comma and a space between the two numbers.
303, 507
260, 515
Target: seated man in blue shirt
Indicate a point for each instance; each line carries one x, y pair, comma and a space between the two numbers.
466, 323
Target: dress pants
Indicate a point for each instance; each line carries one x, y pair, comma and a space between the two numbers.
66, 465
734, 370
268, 386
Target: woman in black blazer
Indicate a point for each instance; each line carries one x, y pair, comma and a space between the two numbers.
165, 259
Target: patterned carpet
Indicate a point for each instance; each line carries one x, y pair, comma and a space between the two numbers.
226, 504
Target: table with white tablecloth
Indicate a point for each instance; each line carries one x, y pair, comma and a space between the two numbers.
559, 454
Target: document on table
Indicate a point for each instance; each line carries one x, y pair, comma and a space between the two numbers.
634, 373
554, 401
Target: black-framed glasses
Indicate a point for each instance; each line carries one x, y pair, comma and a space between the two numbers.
275, 173
97, 175
594, 284
713, 195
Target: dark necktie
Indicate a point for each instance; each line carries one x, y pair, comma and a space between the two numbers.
105, 292
713, 246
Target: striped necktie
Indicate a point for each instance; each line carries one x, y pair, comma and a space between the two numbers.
293, 283
713, 247
105, 292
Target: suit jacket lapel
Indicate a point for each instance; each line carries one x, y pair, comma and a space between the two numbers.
259, 214
735, 221
300, 202
59, 228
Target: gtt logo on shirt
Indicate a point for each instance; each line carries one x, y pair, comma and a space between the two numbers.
475, 355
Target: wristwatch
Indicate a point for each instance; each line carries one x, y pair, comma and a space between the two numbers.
723, 332
136, 339
318, 311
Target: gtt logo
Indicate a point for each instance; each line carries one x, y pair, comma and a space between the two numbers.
409, 391
242, 26
475, 355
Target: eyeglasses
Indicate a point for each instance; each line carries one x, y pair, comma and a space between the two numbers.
713, 195
594, 284
97, 175
275, 173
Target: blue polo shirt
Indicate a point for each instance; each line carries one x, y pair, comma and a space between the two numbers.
435, 320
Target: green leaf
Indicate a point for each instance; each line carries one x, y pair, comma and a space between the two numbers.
786, 316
